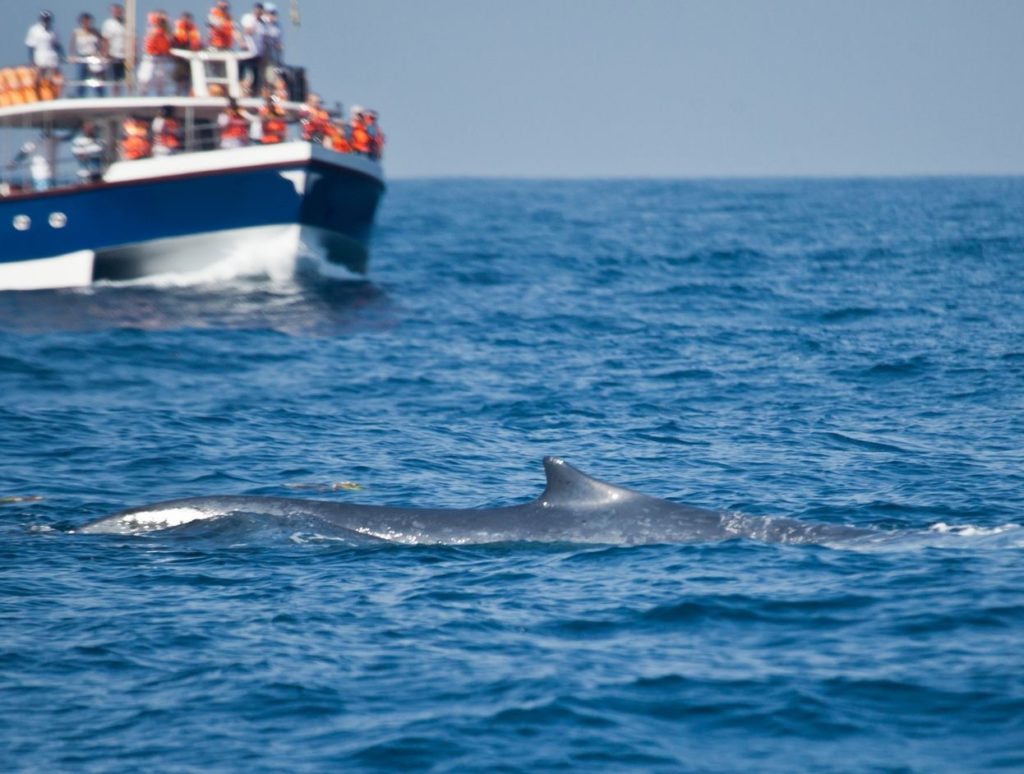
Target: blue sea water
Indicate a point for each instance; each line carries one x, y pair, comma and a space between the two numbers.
849, 352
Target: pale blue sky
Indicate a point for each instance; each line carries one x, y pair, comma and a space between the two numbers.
668, 88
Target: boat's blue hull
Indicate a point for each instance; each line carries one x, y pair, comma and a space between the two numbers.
127, 225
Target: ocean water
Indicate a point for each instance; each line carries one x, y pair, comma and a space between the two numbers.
846, 352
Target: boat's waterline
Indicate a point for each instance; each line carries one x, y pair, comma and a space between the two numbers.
275, 251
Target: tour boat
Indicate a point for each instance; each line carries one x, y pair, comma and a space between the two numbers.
183, 212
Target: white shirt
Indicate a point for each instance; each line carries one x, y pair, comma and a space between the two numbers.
42, 151
248, 25
86, 43
114, 33
89, 152
273, 41
86, 148
43, 43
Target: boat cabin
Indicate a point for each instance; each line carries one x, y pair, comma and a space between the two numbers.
39, 119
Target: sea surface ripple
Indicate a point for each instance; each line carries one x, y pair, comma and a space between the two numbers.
841, 351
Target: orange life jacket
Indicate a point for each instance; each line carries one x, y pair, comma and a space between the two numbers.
135, 143
134, 147
10, 91
157, 43
222, 32
49, 88
314, 123
27, 80
237, 128
360, 137
273, 125
169, 135
13, 87
186, 35
335, 139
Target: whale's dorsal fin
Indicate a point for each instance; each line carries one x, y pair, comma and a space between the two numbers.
568, 486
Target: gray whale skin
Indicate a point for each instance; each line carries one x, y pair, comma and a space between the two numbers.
574, 508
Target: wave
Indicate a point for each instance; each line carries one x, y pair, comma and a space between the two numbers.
273, 259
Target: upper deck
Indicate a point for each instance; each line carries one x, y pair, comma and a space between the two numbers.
215, 75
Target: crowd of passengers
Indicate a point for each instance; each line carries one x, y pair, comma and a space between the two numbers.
236, 128
163, 136
100, 53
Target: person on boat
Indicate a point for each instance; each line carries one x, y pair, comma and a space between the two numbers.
252, 32
186, 33
87, 48
279, 83
336, 137
115, 48
314, 119
235, 125
153, 69
135, 142
358, 130
44, 49
186, 36
376, 135
222, 29
166, 131
42, 155
89, 148
272, 46
273, 121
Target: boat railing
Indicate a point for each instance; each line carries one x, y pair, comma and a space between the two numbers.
199, 73
22, 85
23, 173
21, 170
45, 161
212, 74
90, 78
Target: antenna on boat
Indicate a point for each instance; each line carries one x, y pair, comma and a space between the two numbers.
129, 54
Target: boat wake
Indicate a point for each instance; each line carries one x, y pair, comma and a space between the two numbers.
302, 303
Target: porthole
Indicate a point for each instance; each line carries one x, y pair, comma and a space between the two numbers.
58, 220
21, 222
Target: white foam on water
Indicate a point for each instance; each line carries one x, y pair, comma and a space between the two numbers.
274, 253
939, 535
970, 530
311, 257
306, 538
271, 256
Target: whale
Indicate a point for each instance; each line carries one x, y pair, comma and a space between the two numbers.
573, 508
